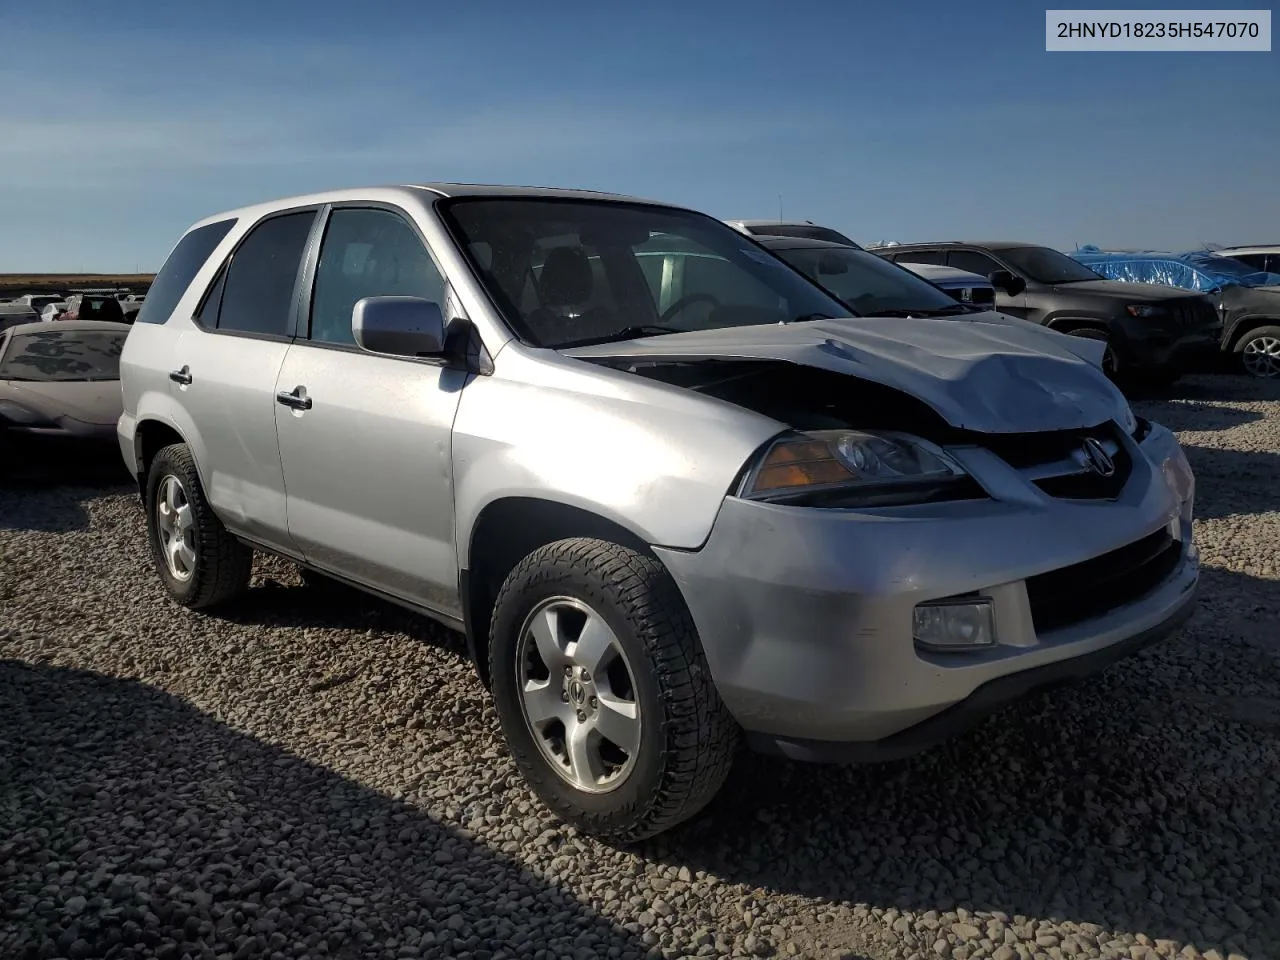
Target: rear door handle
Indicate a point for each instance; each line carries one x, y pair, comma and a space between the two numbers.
295, 399
182, 376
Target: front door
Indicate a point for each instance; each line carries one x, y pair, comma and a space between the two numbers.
368, 460
984, 265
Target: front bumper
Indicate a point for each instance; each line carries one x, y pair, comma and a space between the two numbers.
806, 614
1193, 352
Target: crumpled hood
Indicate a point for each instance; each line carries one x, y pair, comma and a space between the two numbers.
984, 372
97, 401
1133, 292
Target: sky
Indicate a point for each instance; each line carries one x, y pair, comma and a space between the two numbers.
904, 120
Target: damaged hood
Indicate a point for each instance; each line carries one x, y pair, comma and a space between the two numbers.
982, 372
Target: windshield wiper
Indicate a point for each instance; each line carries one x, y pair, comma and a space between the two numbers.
958, 309
806, 317
626, 333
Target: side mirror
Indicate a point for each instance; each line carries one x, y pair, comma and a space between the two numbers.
400, 326
1010, 283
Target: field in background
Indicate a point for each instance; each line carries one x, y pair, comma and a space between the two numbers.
16, 284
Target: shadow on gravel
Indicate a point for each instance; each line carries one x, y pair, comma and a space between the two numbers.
132, 824
1234, 482
91, 477
1143, 801
272, 602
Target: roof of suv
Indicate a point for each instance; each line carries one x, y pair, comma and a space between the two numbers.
392, 193
798, 243
986, 244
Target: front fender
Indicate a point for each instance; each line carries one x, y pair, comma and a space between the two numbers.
656, 460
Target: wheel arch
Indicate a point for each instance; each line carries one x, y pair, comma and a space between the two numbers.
505, 532
1070, 322
1245, 325
150, 437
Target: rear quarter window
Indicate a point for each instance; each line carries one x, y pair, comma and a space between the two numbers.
180, 269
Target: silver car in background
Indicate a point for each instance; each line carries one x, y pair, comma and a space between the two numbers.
673, 501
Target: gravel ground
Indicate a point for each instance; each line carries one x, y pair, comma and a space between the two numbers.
316, 776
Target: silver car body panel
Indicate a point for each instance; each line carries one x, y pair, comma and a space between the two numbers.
805, 613
977, 372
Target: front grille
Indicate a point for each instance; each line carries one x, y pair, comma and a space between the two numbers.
1055, 461
1193, 312
1086, 590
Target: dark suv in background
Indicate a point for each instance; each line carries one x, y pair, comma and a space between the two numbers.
1153, 333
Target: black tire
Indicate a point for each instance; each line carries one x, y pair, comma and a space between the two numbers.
688, 739
1257, 334
1110, 366
222, 563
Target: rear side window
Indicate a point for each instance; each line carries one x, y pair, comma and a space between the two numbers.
257, 290
180, 269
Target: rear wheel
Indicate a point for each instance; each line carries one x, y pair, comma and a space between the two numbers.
200, 563
603, 691
1259, 351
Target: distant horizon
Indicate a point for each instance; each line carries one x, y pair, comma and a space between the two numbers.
942, 120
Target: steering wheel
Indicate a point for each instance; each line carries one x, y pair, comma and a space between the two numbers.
685, 301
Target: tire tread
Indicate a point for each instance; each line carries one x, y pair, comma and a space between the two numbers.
700, 735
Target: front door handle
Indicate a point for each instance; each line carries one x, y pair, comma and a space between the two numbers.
182, 376
295, 399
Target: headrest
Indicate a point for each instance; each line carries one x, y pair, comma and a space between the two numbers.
565, 280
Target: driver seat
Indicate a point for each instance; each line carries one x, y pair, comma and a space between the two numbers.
565, 287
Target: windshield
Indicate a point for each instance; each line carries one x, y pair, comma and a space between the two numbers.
61, 355
567, 272
867, 283
1047, 266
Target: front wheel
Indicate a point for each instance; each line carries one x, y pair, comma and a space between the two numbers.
1109, 365
200, 563
1259, 351
603, 691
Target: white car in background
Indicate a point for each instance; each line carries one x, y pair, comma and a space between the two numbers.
1265, 258
801, 229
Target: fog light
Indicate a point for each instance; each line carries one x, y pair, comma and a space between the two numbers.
955, 624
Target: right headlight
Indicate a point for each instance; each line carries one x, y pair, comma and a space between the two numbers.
870, 467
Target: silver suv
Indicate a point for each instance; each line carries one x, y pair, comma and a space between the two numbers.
669, 494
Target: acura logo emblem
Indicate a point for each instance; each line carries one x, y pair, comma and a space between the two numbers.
1097, 459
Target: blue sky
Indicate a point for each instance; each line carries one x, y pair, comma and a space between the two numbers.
888, 120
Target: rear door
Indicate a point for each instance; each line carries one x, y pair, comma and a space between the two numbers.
224, 375
368, 460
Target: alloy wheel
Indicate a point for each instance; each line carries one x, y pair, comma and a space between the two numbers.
1261, 357
578, 695
176, 525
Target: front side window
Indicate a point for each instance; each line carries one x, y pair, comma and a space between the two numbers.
367, 253
256, 292
938, 257
566, 272
867, 283
63, 355
973, 261
1044, 265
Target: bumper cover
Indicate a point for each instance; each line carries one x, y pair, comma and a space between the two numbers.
806, 614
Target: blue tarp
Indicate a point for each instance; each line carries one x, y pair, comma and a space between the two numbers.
1198, 270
